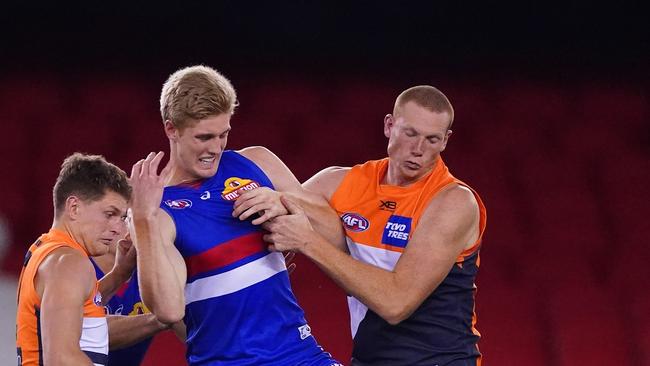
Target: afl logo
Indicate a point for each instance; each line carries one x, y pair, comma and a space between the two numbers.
98, 299
179, 204
354, 222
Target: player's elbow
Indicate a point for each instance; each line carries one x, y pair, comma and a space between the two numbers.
396, 313
395, 317
169, 315
170, 318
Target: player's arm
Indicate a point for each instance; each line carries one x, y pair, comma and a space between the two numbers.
161, 269
282, 178
448, 225
318, 191
125, 331
65, 279
125, 261
267, 203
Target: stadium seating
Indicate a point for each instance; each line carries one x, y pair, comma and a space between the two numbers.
562, 167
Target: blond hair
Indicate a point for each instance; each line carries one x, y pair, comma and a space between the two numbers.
195, 93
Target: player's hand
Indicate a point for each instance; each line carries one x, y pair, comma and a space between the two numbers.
263, 201
125, 257
148, 185
290, 232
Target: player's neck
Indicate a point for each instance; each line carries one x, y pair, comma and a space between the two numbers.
64, 226
181, 178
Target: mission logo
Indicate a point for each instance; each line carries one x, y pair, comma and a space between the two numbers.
235, 187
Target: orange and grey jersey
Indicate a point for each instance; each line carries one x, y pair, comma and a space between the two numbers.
94, 332
379, 221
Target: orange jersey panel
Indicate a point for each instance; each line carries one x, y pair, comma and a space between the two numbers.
28, 332
385, 216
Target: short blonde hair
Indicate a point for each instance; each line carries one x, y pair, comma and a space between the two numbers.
428, 97
195, 93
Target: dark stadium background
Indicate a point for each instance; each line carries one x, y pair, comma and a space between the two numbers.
552, 128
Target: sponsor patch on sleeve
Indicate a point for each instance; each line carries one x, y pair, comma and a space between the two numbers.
397, 231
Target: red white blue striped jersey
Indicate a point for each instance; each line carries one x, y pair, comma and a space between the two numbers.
240, 309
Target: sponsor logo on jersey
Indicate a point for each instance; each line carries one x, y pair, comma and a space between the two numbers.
235, 187
98, 299
387, 205
355, 222
139, 308
179, 204
119, 310
205, 195
305, 331
397, 231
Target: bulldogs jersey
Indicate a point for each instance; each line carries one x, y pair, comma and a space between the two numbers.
240, 309
126, 301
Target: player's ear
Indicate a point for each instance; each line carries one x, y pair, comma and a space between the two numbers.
171, 130
72, 206
446, 140
389, 122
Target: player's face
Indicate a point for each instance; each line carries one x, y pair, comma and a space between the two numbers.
198, 147
101, 223
416, 136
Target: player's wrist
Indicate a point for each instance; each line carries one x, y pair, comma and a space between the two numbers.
121, 273
310, 244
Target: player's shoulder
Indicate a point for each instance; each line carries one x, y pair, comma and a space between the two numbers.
258, 154
327, 180
334, 173
66, 263
278, 173
455, 197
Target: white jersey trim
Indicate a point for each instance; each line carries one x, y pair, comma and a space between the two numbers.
94, 335
382, 258
378, 257
236, 279
357, 313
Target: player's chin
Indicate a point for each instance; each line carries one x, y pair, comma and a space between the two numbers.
100, 248
206, 173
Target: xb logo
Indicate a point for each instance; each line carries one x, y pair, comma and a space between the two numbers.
387, 205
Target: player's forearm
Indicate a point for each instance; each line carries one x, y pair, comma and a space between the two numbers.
377, 288
125, 331
322, 217
110, 283
160, 287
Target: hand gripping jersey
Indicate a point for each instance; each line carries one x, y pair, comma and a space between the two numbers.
94, 332
126, 301
379, 221
239, 306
